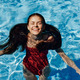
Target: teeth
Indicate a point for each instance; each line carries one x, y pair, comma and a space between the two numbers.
35, 29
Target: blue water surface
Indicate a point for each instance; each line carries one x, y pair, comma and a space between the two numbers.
63, 14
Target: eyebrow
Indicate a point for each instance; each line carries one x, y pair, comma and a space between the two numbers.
34, 21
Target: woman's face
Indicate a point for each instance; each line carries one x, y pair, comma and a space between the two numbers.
35, 25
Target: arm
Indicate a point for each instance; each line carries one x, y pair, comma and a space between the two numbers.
1, 52
67, 60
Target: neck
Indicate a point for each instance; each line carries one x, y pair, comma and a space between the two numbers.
36, 37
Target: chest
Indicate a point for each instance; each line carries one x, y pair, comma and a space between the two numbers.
32, 42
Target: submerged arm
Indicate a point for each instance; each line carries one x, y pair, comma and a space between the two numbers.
67, 60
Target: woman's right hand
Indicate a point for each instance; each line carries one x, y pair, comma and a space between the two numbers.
1, 52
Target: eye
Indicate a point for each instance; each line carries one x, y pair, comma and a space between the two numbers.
40, 23
32, 23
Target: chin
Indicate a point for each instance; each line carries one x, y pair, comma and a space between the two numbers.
36, 33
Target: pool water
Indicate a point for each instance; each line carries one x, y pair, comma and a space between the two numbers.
63, 14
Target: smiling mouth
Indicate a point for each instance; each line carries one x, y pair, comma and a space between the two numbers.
35, 29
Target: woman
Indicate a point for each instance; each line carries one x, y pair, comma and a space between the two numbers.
37, 38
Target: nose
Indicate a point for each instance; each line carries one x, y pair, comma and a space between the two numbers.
36, 25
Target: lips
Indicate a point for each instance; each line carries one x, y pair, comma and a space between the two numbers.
35, 29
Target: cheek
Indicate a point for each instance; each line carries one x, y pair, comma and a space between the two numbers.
29, 27
40, 26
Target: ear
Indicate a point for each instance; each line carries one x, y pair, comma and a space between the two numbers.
27, 27
44, 27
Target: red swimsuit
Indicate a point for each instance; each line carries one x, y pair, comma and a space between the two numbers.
35, 61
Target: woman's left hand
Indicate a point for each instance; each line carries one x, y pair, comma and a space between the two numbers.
78, 71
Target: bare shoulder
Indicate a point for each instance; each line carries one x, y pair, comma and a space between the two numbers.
48, 38
51, 38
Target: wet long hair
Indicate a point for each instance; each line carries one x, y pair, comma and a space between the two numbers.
53, 31
18, 37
